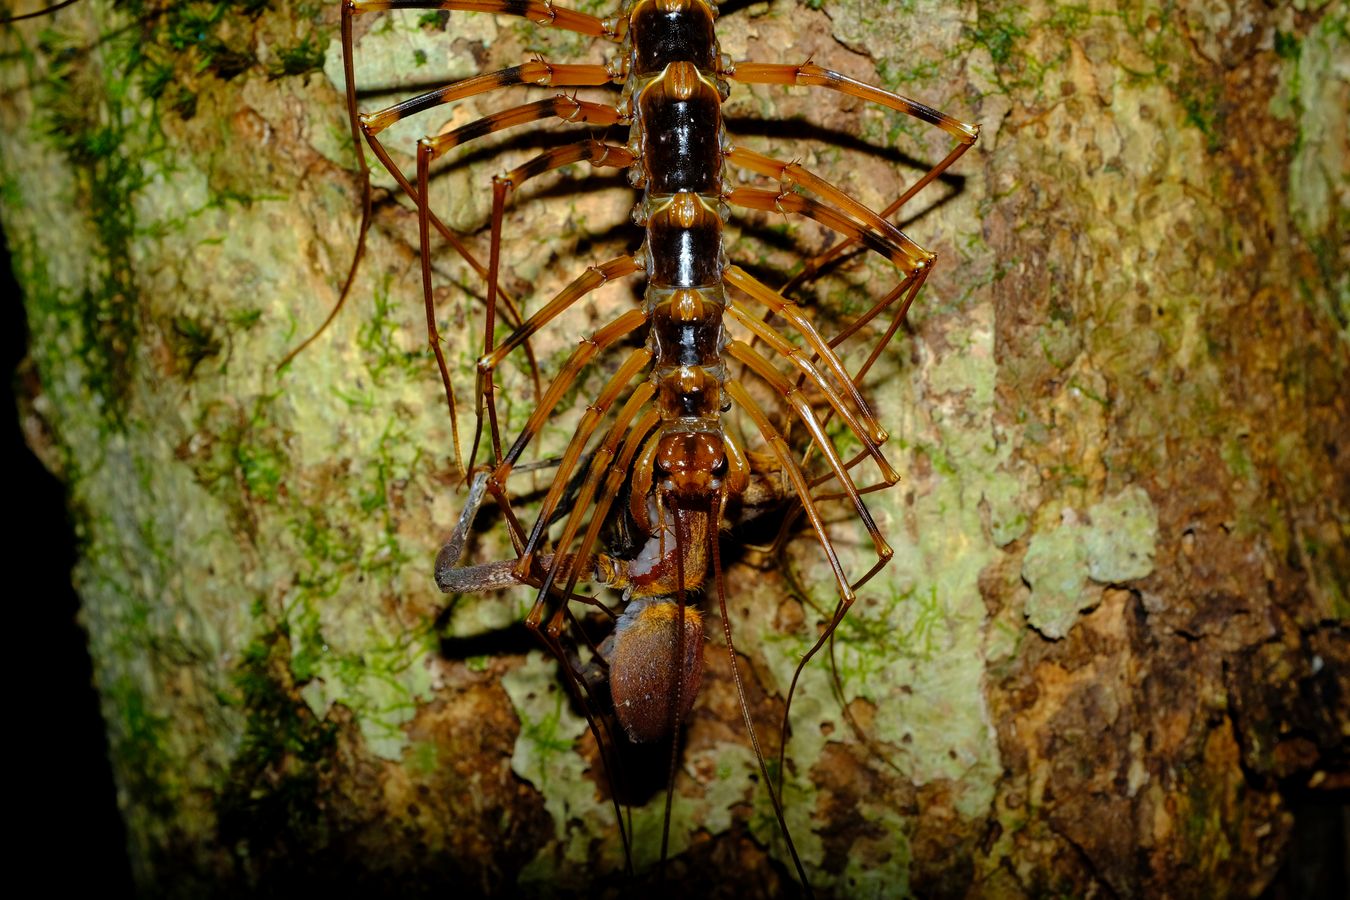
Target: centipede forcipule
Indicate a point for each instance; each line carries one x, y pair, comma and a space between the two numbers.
651, 456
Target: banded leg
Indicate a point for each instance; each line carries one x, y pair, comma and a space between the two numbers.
594, 277
569, 109
600, 464
904, 292
789, 174
815, 76
590, 420
614, 477
811, 75
599, 154
765, 370
536, 72
789, 466
809, 372
789, 202
497, 576
428, 148
766, 296
542, 12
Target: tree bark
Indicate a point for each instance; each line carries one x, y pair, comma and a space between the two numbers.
1109, 657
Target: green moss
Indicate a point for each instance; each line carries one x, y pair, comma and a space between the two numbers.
543, 754
1286, 45
999, 32
139, 738
85, 121
301, 58
423, 757
193, 341
1201, 96
379, 337
273, 792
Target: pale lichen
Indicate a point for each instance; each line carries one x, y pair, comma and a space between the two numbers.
1115, 544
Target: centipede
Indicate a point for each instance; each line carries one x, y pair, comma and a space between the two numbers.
626, 534
711, 404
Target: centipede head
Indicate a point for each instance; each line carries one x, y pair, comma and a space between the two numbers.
690, 465
647, 669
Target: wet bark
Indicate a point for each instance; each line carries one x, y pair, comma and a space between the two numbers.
1110, 656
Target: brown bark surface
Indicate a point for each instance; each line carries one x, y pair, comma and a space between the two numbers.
1110, 656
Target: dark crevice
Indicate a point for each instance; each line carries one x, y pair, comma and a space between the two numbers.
68, 802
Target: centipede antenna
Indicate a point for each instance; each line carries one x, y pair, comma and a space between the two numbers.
774, 797
363, 171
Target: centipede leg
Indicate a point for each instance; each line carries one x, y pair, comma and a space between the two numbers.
776, 303
536, 72
761, 367
783, 453
595, 152
593, 278
811, 75
915, 264
590, 420
602, 464
543, 13
428, 148
816, 263
809, 372
846, 600
790, 174
905, 293
496, 576
763, 294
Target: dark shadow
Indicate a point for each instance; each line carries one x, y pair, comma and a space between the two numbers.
789, 130
514, 640
67, 798
414, 88
1316, 864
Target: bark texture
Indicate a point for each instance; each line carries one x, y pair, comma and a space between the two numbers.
1112, 645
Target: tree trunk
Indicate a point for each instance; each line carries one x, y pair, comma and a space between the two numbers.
1109, 657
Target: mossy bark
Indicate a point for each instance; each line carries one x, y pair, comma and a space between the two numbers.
1112, 643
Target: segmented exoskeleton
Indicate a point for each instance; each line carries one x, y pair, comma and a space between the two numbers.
660, 461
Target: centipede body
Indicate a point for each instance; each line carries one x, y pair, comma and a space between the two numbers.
466, 311
681, 468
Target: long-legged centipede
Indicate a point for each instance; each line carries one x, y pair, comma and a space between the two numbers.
654, 458
659, 465
1108, 654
